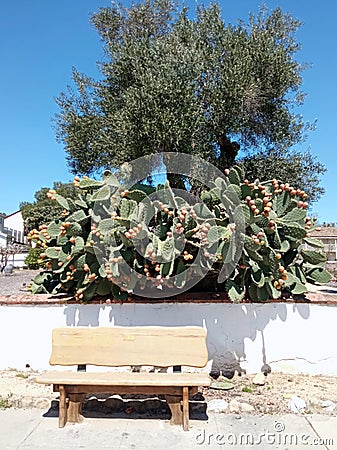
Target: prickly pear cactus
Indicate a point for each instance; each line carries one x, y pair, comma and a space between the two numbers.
276, 259
115, 242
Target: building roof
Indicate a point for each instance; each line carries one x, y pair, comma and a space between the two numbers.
325, 232
13, 214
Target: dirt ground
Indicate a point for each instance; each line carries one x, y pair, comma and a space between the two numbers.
18, 389
16, 283
274, 396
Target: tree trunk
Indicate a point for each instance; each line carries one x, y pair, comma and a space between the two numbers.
228, 152
176, 181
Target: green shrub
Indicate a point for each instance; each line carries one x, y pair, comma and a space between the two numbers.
33, 260
249, 237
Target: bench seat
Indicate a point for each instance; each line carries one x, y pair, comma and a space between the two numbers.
124, 379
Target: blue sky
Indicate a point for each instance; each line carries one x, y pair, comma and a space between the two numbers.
40, 41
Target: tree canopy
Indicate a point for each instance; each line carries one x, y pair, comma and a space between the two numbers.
194, 85
44, 210
298, 169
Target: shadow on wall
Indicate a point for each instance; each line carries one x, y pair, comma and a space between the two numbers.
228, 325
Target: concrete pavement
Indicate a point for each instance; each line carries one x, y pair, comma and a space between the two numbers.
29, 429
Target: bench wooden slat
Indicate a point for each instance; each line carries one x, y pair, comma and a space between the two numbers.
124, 379
121, 346
143, 390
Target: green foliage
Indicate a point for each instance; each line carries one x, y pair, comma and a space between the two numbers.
33, 260
194, 85
43, 210
126, 242
21, 375
5, 401
299, 169
247, 389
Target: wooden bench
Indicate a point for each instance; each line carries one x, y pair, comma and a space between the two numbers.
127, 346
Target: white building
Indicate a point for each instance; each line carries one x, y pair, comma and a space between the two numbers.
328, 235
3, 239
12, 226
3, 235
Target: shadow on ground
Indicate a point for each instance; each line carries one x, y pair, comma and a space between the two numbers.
132, 407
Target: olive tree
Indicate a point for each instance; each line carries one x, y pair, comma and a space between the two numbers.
172, 82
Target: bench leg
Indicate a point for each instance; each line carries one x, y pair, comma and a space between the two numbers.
180, 414
185, 409
174, 403
62, 407
75, 408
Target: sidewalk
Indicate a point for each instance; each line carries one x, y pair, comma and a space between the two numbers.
28, 429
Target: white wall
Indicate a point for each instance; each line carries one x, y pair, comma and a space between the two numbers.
3, 239
18, 259
289, 337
